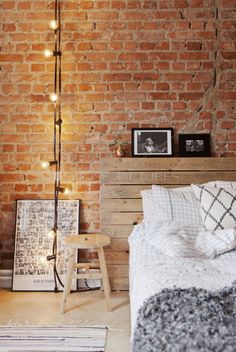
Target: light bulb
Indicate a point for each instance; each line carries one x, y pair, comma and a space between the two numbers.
43, 260
45, 164
51, 233
48, 53
63, 190
53, 97
53, 24
67, 191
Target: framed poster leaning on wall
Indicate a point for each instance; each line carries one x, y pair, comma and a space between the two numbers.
34, 219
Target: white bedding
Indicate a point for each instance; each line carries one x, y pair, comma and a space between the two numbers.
151, 271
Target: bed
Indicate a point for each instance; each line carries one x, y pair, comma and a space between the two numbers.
151, 272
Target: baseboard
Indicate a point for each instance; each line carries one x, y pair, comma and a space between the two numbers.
5, 278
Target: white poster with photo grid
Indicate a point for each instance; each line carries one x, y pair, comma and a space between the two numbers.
34, 219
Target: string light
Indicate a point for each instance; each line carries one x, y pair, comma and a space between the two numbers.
47, 164
53, 24
42, 260
55, 97
49, 53
63, 190
51, 233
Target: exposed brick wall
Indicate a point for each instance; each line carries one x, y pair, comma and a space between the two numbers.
126, 64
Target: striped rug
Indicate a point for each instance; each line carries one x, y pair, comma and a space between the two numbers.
43, 339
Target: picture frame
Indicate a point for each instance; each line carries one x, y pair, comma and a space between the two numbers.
152, 142
194, 145
34, 220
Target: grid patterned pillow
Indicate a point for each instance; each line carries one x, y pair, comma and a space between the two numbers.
218, 206
170, 204
147, 201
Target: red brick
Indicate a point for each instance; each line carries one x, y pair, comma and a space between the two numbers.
8, 148
149, 4
227, 124
132, 57
86, 5
21, 188
178, 77
180, 4
148, 106
35, 188
9, 27
11, 177
194, 46
9, 167
7, 208
163, 96
179, 105
205, 115
23, 128
190, 96
162, 86
11, 58
228, 95
232, 147
196, 55
6, 5
24, 5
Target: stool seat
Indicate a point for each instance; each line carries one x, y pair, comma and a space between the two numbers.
87, 241
90, 241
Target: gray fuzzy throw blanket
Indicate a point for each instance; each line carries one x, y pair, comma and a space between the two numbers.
187, 320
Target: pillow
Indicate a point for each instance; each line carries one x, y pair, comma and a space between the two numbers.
214, 243
147, 201
172, 204
218, 206
178, 240
172, 238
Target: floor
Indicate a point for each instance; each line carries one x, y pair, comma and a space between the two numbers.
84, 307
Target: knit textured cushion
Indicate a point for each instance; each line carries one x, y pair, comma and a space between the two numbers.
218, 206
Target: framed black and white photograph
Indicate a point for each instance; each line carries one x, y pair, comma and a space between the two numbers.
194, 144
34, 220
151, 142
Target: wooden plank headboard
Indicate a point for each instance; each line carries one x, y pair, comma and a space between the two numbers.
122, 179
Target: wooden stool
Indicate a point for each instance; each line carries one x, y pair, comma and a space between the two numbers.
90, 241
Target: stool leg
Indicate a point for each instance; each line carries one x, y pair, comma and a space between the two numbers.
105, 278
68, 280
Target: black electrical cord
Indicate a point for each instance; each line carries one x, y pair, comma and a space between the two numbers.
56, 137
91, 288
57, 145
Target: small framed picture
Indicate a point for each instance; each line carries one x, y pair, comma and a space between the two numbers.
151, 142
194, 144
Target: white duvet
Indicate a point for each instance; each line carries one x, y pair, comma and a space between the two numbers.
151, 271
